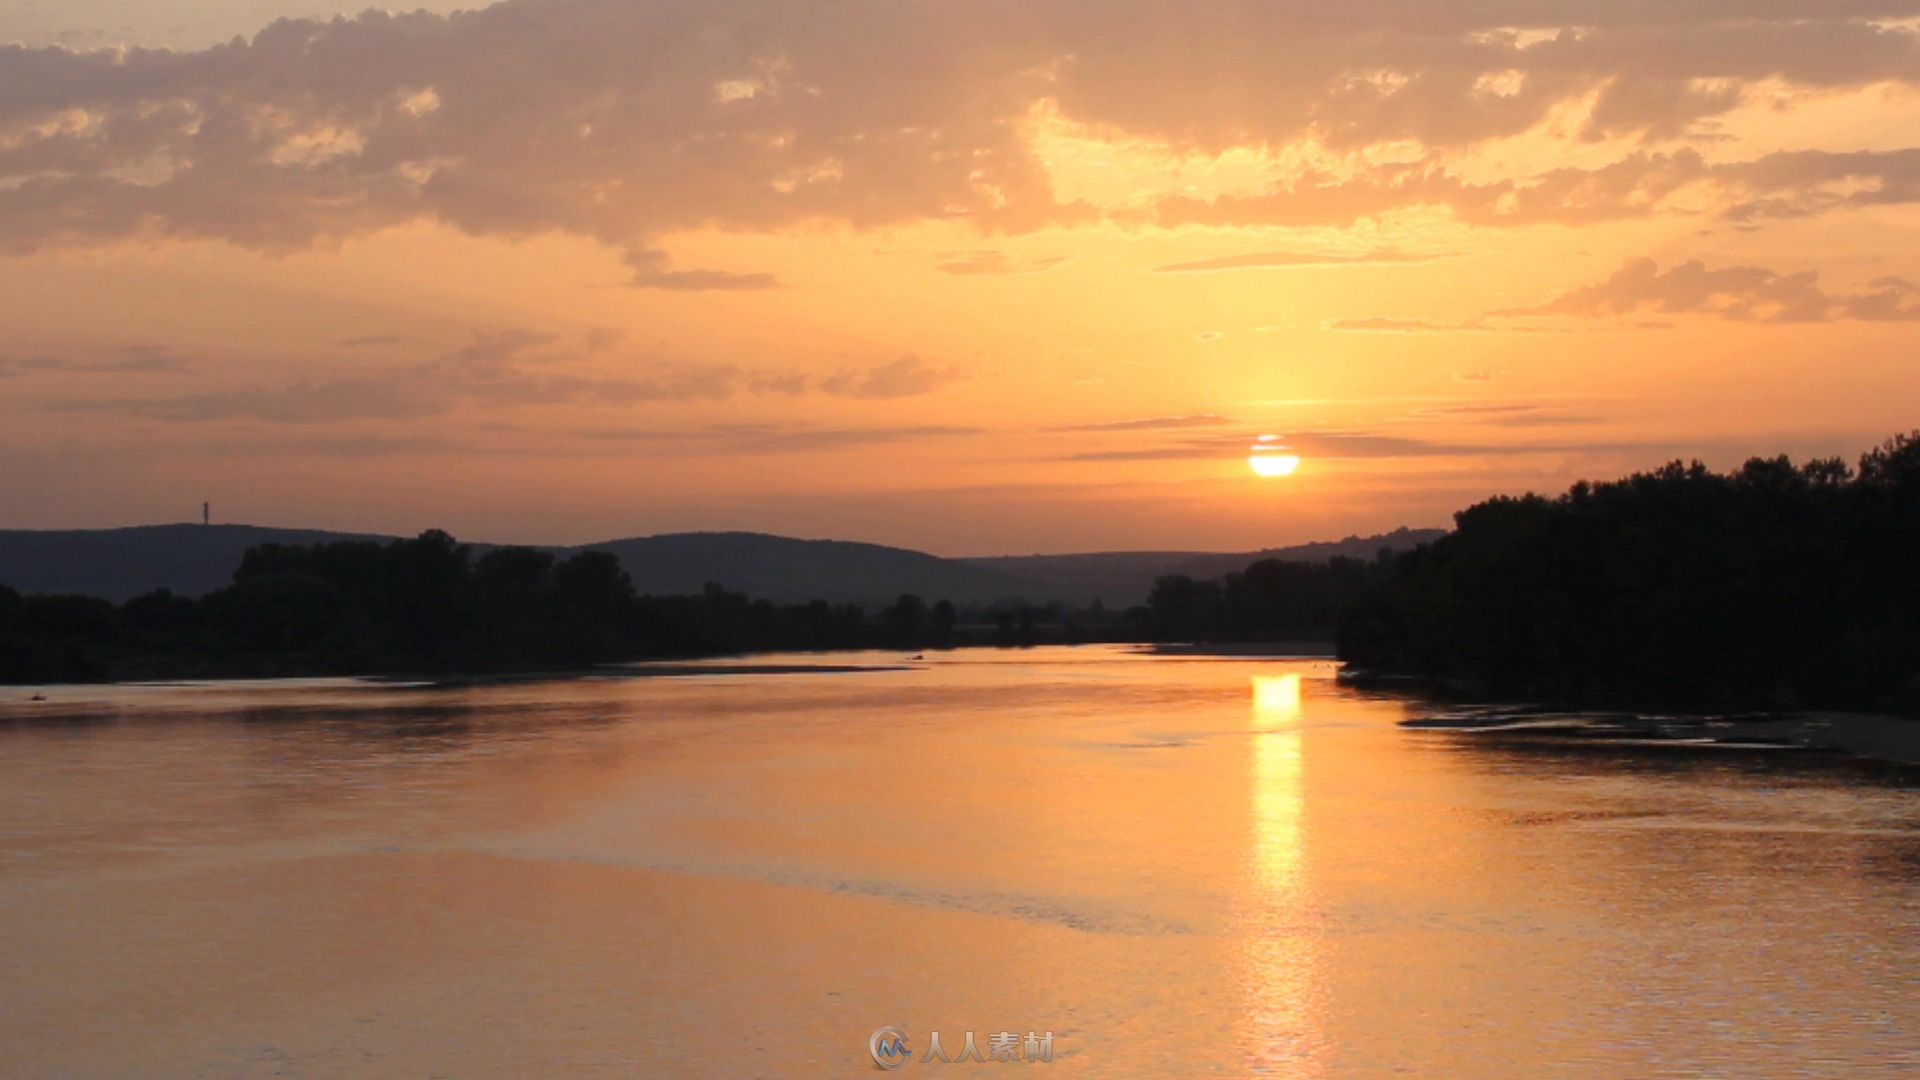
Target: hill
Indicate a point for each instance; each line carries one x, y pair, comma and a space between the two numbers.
118, 564
1123, 578
789, 571
191, 560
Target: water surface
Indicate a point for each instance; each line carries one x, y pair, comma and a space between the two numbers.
1178, 866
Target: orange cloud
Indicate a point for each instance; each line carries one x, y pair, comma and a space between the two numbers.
625, 122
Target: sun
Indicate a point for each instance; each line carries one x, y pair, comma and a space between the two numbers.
1274, 464
1271, 458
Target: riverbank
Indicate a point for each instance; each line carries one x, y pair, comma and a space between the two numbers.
1282, 650
42, 701
1865, 735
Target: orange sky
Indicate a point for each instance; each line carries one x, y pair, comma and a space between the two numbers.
973, 277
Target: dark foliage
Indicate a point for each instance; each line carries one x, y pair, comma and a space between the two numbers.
1271, 601
1773, 586
427, 605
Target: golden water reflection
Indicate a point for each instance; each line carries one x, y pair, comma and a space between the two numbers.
1276, 698
1177, 868
1284, 1029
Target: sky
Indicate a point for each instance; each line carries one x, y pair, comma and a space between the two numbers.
971, 276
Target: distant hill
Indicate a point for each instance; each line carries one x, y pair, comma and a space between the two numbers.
119, 564
1123, 578
795, 571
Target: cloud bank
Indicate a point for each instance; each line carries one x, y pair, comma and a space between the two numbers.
514, 369
625, 122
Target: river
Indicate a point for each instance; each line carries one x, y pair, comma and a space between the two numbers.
1172, 866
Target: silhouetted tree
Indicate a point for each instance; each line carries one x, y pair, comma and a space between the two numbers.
904, 625
942, 624
1772, 586
1182, 609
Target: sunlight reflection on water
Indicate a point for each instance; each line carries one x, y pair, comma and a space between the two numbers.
1283, 1025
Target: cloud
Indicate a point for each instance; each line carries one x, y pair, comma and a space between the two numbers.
1402, 326
1359, 445
130, 360
649, 271
1543, 419
1738, 293
1640, 287
370, 342
993, 262
1366, 444
1506, 415
511, 368
602, 338
777, 439
628, 122
1324, 444
1477, 408
778, 383
12, 367
516, 369
600, 118
1289, 260
1154, 423
1640, 185
1479, 325
908, 376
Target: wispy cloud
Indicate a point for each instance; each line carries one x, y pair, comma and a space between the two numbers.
1155, 423
996, 263
1641, 288
1506, 415
908, 376
129, 360
1318, 444
1406, 326
778, 439
513, 369
1479, 325
1640, 185
1293, 260
1738, 293
649, 270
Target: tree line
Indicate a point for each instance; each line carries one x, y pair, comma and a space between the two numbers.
430, 605
1772, 586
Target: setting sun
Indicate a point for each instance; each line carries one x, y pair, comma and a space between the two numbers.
1273, 465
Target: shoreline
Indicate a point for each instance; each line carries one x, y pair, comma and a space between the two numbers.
35, 693
1306, 649
1869, 736
647, 669
675, 667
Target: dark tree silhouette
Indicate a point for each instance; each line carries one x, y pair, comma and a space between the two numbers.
1772, 586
